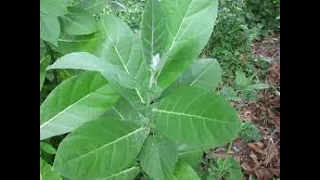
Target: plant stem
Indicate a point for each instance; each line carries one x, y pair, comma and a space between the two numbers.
225, 161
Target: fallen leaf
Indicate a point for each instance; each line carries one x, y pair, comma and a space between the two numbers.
256, 148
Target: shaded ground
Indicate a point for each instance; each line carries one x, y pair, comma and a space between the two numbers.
261, 160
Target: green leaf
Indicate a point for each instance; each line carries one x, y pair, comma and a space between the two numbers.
117, 45
78, 22
196, 116
128, 174
192, 157
48, 148
49, 28
44, 62
203, 73
241, 80
124, 111
189, 24
153, 31
75, 101
69, 43
89, 62
53, 7
234, 171
258, 86
92, 6
184, 172
46, 172
158, 157
100, 149
229, 94
43, 49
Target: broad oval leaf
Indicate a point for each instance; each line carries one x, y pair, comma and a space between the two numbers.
158, 157
184, 172
46, 172
195, 116
190, 24
154, 30
75, 101
100, 149
78, 22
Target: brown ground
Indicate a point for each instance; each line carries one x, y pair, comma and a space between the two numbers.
262, 159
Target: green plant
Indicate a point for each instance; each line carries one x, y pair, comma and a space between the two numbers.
144, 100
244, 89
227, 168
249, 132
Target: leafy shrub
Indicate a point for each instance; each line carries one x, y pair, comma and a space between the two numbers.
144, 100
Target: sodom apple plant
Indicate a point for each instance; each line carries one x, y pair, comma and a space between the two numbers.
144, 103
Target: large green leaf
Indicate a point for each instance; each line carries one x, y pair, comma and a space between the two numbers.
93, 6
193, 158
44, 62
158, 157
78, 22
49, 28
117, 45
153, 31
184, 172
203, 73
75, 101
89, 62
196, 116
100, 149
46, 172
69, 43
128, 174
189, 24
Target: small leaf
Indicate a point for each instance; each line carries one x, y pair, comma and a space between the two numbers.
100, 149
229, 94
184, 172
48, 148
75, 101
78, 22
196, 116
158, 157
46, 172
241, 80
234, 171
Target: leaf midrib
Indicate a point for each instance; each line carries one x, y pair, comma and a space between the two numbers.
69, 107
106, 145
188, 115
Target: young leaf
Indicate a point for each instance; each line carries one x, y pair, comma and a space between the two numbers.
78, 22
196, 116
100, 149
184, 172
46, 172
128, 174
158, 157
153, 31
189, 24
75, 101
46, 147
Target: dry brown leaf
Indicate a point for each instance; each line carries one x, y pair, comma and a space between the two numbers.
272, 152
247, 167
256, 148
263, 174
255, 160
